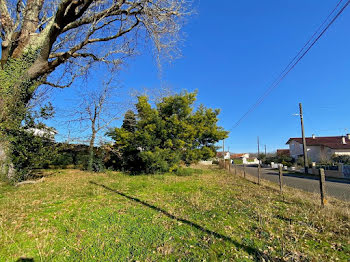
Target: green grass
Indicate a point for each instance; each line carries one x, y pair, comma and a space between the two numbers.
199, 215
238, 161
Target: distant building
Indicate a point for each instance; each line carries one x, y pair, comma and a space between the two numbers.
245, 158
283, 152
220, 155
48, 133
241, 156
320, 148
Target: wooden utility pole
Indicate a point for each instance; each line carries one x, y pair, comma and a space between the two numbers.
323, 187
223, 152
229, 160
306, 164
265, 150
281, 178
259, 168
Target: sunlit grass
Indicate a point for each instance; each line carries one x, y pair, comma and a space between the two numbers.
202, 214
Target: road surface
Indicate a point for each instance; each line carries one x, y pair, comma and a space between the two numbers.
340, 190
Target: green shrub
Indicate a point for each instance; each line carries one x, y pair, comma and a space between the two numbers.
285, 163
157, 140
63, 159
29, 152
285, 160
238, 161
341, 159
97, 165
187, 171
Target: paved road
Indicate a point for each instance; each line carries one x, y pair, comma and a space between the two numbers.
340, 190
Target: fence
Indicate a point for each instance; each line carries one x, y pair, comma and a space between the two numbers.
346, 171
242, 171
335, 171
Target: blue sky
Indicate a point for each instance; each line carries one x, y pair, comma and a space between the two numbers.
233, 52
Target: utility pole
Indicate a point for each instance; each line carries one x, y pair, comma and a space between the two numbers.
306, 164
259, 171
223, 152
229, 160
265, 150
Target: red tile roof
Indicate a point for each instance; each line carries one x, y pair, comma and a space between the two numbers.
282, 152
334, 142
233, 156
219, 154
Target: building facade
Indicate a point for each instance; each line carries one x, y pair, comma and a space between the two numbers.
320, 148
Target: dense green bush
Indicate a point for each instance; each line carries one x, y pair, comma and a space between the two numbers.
62, 160
238, 161
300, 162
97, 165
30, 152
341, 159
187, 171
285, 160
158, 139
285, 163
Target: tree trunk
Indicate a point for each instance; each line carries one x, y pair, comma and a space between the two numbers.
7, 171
91, 150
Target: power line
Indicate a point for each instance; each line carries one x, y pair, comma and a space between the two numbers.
301, 54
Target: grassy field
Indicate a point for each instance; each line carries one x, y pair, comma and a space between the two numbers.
195, 215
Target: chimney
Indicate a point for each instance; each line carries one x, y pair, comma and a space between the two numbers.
313, 136
343, 140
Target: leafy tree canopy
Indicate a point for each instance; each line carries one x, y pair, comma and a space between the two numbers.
160, 137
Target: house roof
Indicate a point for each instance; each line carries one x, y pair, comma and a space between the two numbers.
283, 151
219, 154
334, 142
238, 155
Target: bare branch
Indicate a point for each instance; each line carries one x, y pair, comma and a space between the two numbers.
63, 57
57, 85
5, 18
70, 36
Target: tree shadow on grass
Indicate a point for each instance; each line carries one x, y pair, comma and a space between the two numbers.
259, 256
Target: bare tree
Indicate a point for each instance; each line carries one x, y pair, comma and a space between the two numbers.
81, 32
95, 111
69, 36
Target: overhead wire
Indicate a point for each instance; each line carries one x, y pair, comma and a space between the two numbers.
301, 54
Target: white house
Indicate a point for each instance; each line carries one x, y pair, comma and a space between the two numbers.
320, 148
44, 132
219, 155
245, 159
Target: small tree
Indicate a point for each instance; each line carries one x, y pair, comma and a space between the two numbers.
95, 112
129, 122
345, 159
